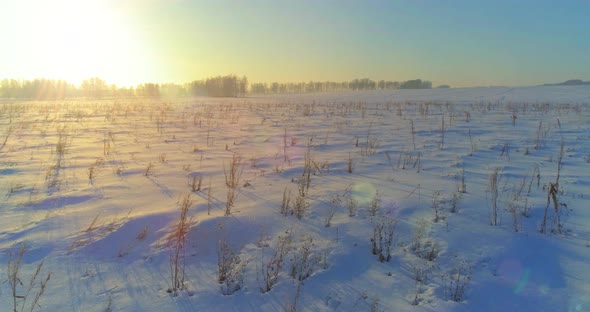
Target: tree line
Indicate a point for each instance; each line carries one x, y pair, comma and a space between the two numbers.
329, 86
220, 86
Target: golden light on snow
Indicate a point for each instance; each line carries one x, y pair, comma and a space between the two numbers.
95, 190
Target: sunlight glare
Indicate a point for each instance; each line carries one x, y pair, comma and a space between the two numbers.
76, 40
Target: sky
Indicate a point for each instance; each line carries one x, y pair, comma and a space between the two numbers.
462, 43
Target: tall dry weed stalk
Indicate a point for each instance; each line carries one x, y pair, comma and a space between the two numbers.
21, 291
494, 194
553, 191
177, 243
233, 175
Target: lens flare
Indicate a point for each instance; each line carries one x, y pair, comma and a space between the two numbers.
515, 274
363, 192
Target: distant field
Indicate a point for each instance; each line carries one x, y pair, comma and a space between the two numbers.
412, 200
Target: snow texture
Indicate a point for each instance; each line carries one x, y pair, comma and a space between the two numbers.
92, 188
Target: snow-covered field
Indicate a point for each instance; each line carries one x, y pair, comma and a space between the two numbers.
94, 189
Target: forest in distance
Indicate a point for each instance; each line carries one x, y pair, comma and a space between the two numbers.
219, 86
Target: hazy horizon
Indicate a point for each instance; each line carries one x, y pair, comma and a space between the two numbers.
461, 44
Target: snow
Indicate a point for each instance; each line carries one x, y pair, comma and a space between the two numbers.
105, 240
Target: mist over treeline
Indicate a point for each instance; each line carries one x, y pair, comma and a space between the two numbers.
220, 86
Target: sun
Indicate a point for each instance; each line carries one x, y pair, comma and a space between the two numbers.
74, 40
